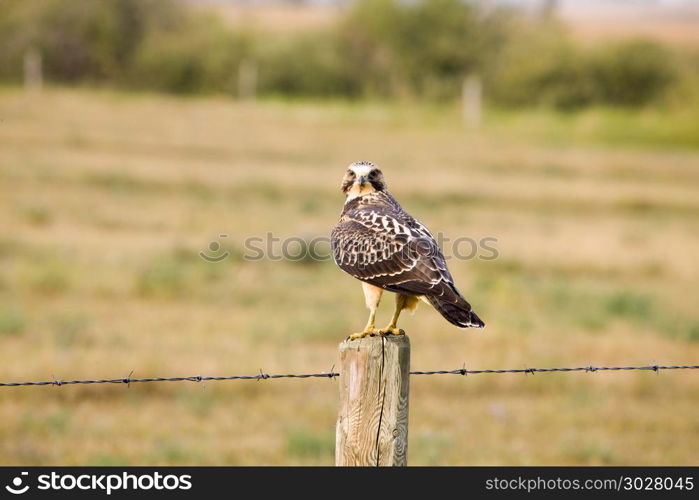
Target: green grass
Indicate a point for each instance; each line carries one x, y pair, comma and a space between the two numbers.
12, 322
304, 444
660, 127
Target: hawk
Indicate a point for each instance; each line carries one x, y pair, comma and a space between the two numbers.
384, 247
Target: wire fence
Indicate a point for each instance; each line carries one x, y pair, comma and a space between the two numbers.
332, 374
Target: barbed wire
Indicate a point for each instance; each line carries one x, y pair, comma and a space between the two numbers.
331, 374
194, 378
589, 369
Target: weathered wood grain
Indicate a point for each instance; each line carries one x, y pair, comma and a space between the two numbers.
372, 422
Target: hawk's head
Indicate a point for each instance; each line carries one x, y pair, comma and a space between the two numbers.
362, 177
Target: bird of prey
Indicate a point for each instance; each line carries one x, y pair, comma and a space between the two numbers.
384, 247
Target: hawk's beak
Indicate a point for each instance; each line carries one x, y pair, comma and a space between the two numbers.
362, 180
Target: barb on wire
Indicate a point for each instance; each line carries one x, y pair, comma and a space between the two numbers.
331, 374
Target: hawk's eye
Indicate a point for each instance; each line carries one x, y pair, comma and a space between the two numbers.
373, 174
350, 174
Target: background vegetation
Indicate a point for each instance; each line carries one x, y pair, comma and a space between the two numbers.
109, 193
379, 48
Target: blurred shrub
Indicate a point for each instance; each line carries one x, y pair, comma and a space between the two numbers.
543, 68
425, 47
309, 64
546, 68
80, 39
197, 55
632, 73
386, 48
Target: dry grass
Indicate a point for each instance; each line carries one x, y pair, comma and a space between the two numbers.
106, 199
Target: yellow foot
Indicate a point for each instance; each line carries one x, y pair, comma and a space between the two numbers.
389, 330
365, 333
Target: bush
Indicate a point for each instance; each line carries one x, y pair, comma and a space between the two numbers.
420, 48
632, 73
309, 64
196, 55
548, 69
80, 39
545, 68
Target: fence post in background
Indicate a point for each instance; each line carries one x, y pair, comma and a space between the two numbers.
372, 421
472, 92
247, 80
33, 74
549, 9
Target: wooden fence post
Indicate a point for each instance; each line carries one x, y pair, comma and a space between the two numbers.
247, 80
372, 422
33, 73
472, 97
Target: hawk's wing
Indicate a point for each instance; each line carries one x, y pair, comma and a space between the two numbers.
395, 252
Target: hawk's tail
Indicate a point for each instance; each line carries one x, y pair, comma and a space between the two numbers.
460, 315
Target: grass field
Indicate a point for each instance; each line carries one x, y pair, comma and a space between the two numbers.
106, 199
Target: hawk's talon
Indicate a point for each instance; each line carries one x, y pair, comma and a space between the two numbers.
392, 331
360, 335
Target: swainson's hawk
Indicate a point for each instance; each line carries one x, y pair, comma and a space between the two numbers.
384, 247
